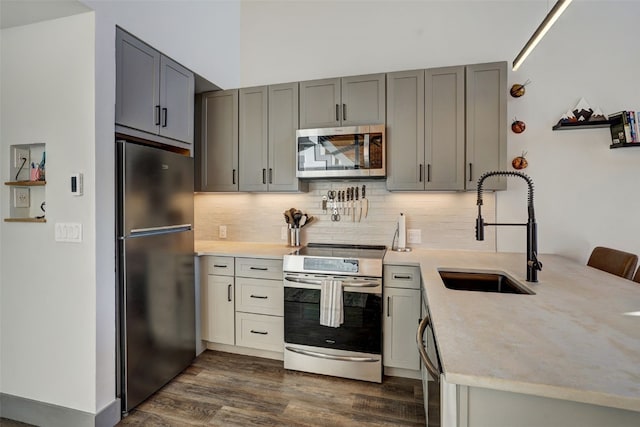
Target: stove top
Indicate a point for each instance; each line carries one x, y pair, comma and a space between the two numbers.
332, 258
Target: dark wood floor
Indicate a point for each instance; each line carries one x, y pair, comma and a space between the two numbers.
223, 389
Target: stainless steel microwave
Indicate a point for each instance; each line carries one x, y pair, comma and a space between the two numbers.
342, 152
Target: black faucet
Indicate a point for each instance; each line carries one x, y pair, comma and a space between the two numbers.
533, 265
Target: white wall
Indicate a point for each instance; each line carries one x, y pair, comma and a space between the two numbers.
48, 302
585, 193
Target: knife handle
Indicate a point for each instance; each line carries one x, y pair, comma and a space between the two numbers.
363, 189
356, 194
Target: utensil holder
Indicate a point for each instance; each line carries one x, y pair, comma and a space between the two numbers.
294, 236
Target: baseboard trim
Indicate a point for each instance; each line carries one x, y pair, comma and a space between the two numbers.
266, 354
41, 413
404, 373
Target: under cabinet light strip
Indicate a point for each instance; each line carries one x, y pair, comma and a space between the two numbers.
548, 21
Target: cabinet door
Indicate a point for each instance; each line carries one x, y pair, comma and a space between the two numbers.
283, 123
363, 100
401, 317
320, 103
444, 129
219, 144
218, 314
252, 145
486, 100
405, 130
137, 84
177, 86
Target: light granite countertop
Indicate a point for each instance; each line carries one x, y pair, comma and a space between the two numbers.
242, 249
571, 340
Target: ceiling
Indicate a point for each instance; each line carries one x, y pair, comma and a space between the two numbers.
14, 13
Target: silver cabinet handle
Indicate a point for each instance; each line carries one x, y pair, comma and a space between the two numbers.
259, 296
431, 368
331, 356
259, 332
229, 293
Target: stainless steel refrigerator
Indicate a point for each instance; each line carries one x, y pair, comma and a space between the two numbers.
155, 269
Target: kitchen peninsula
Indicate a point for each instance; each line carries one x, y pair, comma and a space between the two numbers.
574, 344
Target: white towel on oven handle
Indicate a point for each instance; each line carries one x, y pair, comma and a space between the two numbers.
331, 304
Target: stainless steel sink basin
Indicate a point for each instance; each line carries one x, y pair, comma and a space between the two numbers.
482, 282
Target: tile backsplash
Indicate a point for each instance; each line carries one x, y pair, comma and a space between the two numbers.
446, 219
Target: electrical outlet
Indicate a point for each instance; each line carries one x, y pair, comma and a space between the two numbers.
21, 197
414, 235
284, 231
18, 155
222, 232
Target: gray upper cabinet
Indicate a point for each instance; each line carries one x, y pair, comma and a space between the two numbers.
347, 101
444, 129
268, 124
486, 106
405, 130
218, 154
253, 141
283, 123
429, 144
154, 94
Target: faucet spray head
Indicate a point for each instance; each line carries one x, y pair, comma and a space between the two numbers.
479, 228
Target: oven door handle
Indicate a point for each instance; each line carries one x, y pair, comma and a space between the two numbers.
431, 368
344, 284
331, 356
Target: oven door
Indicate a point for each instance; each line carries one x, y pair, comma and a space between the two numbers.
362, 328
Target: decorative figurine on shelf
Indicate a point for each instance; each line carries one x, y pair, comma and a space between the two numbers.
518, 126
582, 113
517, 90
520, 162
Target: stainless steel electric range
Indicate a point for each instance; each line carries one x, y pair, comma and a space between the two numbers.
354, 349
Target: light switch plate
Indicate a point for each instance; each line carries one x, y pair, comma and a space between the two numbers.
68, 232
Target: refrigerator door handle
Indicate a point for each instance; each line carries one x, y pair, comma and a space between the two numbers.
139, 232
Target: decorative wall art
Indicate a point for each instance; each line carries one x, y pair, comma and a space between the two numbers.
518, 90
518, 126
520, 162
582, 113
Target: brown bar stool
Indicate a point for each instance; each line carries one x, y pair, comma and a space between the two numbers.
613, 261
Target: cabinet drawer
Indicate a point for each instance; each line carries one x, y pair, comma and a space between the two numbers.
260, 331
260, 296
401, 276
220, 265
259, 268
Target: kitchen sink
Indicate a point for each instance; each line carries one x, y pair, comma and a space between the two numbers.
482, 282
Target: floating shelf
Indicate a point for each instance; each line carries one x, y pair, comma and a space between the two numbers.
25, 220
26, 183
578, 125
624, 144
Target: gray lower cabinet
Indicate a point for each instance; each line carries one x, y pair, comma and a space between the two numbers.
429, 143
217, 156
346, 101
401, 317
218, 296
268, 121
486, 123
154, 94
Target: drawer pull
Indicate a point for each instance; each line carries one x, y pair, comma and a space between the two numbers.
259, 268
259, 332
229, 293
259, 296
219, 266
388, 306
403, 277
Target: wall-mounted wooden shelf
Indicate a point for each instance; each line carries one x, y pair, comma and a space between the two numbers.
579, 125
624, 144
26, 183
25, 220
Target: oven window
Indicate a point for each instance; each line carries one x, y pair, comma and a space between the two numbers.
361, 330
